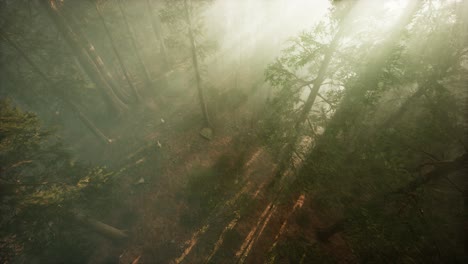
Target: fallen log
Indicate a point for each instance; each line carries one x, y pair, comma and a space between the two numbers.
96, 131
99, 227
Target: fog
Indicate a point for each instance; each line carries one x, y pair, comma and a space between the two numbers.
233, 131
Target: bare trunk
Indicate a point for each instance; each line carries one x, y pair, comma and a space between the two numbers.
157, 29
53, 86
135, 46
81, 53
318, 81
201, 96
117, 54
96, 131
25, 57
287, 153
97, 60
100, 227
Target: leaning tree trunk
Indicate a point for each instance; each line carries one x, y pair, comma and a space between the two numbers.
352, 106
289, 149
98, 226
201, 96
117, 54
318, 81
90, 125
341, 14
85, 60
97, 60
352, 102
86, 121
135, 46
157, 30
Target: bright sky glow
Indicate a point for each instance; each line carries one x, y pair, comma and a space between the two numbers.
395, 5
244, 25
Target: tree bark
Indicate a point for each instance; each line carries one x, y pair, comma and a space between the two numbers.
135, 46
321, 75
24, 56
201, 96
97, 60
100, 227
157, 30
90, 125
287, 152
91, 68
352, 105
117, 54
53, 86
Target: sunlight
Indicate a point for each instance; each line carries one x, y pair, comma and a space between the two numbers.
395, 5
247, 25
243, 131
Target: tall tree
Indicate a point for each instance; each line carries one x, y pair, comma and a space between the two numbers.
352, 106
196, 69
157, 30
116, 52
424, 146
292, 79
91, 65
96, 58
54, 87
136, 50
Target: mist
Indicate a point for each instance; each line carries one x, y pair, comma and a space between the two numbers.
223, 131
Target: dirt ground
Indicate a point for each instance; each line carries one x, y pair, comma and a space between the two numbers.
246, 224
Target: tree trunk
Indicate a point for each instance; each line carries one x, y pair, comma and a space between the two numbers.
352, 105
100, 227
53, 86
117, 54
96, 131
201, 96
24, 56
287, 152
157, 29
135, 46
318, 81
81, 53
97, 60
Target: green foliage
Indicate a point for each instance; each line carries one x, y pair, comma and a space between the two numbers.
174, 16
19, 134
291, 76
361, 158
40, 184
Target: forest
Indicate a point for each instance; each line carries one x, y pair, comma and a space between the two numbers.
233, 131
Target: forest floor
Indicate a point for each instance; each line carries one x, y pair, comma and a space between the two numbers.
191, 200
